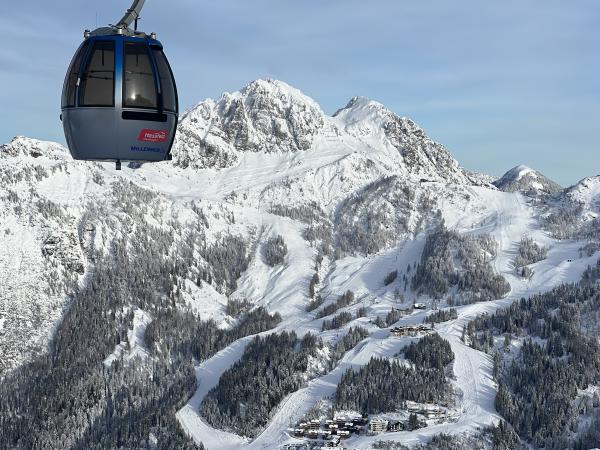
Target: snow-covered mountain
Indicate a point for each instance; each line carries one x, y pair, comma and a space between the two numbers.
355, 198
266, 116
528, 181
372, 123
269, 116
587, 194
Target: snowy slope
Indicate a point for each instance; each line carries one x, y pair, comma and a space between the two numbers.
508, 217
586, 193
257, 163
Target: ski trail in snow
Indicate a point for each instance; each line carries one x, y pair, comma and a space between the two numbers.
513, 219
297, 404
208, 374
473, 369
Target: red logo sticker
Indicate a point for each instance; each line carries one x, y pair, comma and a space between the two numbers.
153, 136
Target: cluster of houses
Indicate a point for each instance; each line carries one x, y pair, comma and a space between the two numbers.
382, 426
332, 430
411, 330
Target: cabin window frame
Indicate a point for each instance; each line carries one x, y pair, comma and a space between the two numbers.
155, 77
155, 49
73, 83
82, 83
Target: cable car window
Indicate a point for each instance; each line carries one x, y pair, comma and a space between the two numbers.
98, 78
167, 81
68, 97
140, 87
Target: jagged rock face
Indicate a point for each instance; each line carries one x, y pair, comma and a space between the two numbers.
198, 144
586, 195
420, 152
527, 181
267, 116
421, 156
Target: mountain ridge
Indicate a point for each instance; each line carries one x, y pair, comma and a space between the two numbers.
269, 116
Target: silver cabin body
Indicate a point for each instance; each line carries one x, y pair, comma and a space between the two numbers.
119, 99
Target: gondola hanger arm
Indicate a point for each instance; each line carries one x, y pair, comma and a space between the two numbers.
132, 14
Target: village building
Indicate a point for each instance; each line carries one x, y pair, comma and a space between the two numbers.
361, 421
315, 424
378, 426
394, 426
330, 430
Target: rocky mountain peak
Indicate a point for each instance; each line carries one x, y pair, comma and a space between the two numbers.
420, 155
266, 116
277, 92
528, 181
361, 109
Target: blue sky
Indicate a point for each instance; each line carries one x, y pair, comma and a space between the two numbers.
498, 83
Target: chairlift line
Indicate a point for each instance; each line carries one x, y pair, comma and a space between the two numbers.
119, 100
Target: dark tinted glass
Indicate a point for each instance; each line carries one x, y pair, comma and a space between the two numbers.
167, 81
68, 97
98, 78
140, 88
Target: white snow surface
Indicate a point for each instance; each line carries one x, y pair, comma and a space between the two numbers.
301, 156
134, 348
520, 171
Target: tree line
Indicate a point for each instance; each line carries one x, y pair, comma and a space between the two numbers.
559, 357
384, 385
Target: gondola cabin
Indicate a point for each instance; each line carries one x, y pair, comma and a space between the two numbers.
119, 100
